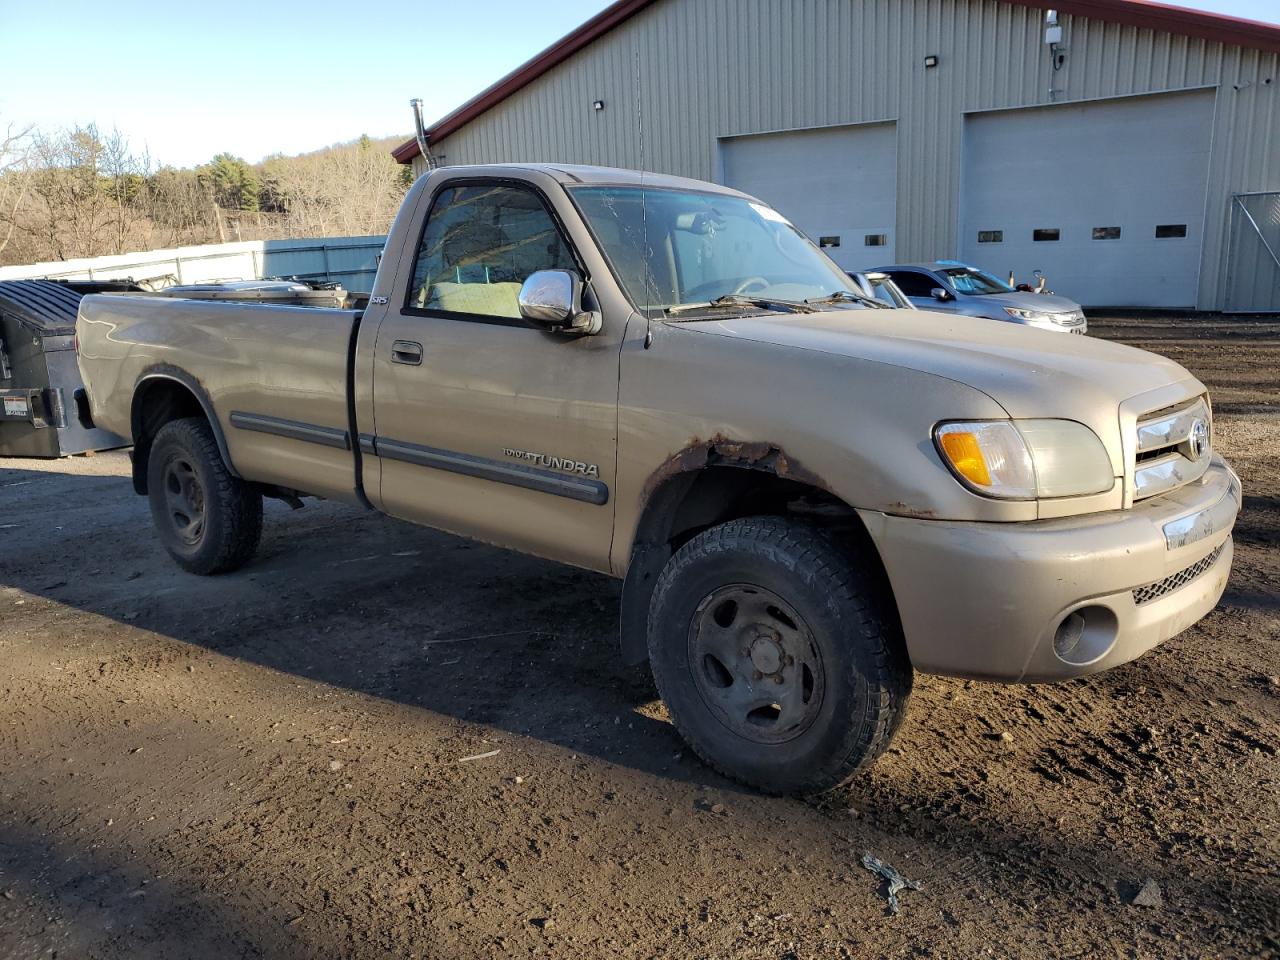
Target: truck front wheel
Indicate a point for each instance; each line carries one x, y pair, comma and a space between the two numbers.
779, 654
208, 520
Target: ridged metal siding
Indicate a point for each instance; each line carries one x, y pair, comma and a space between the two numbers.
689, 72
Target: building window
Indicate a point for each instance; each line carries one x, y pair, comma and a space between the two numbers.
1169, 231
1046, 235
991, 236
875, 239
1106, 233
825, 242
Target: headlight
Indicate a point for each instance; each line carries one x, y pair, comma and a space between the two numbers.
1026, 459
1026, 314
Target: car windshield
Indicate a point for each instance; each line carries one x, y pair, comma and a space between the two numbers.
973, 281
681, 251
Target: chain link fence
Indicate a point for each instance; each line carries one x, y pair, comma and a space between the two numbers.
1253, 254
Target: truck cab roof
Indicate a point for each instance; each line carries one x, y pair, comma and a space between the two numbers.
570, 174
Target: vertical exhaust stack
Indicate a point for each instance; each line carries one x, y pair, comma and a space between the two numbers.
420, 132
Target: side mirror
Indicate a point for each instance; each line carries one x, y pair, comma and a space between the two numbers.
939, 294
551, 301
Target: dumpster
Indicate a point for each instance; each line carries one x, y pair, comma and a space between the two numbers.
39, 378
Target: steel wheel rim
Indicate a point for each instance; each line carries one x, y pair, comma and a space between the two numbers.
755, 663
184, 500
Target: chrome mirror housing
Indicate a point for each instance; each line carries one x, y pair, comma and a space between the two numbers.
939, 294
551, 300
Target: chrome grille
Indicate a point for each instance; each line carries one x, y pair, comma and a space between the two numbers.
1154, 591
1173, 448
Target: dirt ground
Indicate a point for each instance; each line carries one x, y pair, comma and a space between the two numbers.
271, 763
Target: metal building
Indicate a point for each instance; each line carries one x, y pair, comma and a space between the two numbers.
1129, 150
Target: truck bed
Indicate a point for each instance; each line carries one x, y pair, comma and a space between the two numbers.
261, 370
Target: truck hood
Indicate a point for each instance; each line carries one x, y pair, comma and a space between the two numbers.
1029, 372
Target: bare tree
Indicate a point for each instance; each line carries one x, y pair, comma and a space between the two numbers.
83, 193
348, 189
84, 186
123, 176
178, 207
15, 150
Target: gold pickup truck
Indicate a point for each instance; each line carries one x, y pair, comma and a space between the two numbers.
807, 494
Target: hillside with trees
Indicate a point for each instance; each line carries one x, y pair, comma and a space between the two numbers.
84, 192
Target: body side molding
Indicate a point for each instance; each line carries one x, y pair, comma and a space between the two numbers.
517, 475
292, 429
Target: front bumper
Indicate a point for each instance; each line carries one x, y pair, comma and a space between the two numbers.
986, 600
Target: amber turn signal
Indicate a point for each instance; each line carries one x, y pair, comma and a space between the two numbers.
965, 454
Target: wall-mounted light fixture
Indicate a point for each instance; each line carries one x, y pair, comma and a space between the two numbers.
931, 60
1052, 29
597, 105
1057, 49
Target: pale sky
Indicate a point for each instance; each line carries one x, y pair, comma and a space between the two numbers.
187, 80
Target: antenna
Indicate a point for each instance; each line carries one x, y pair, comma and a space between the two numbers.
420, 133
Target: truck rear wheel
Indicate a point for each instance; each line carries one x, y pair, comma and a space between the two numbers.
208, 520
779, 655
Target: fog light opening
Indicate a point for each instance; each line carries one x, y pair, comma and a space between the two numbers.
1070, 633
1085, 636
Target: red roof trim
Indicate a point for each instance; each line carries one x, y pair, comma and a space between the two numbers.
1215, 27
1162, 17
560, 51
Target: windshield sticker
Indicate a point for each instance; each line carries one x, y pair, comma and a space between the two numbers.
768, 213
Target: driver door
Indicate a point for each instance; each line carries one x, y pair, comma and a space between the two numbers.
485, 426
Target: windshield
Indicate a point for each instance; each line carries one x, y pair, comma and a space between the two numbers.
673, 250
973, 281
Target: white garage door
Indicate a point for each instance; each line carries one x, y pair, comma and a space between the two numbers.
1106, 198
837, 184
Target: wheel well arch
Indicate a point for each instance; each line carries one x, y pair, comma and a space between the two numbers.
161, 396
681, 503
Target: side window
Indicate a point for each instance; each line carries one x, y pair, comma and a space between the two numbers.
480, 245
913, 284
882, 293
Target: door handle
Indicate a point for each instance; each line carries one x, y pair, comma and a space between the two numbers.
406, 351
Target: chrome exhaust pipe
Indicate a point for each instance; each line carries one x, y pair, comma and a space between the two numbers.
420, 133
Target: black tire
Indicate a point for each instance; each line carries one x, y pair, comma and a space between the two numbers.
208, 520
766, 593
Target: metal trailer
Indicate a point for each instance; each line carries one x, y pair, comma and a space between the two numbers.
39, 377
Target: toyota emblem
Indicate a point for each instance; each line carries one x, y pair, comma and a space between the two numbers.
1199, 439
